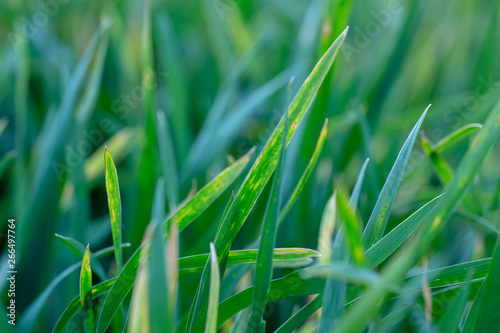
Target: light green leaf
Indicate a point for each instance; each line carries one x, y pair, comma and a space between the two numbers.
352, 227
85, 292
115, 206
359, 315
249, 257
451, 317
295, 284
213, 301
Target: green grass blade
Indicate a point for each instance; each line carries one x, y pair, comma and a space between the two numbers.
443, 170
258, 176
356, 192
248, 257
85, 292
378, 220
204, 198
489, 321
74, 306
52, 147
167, 158
115, 206
326, 228
264, 265
305, 176
159, 305
456, 136
139, 315
138, 321
335, 289
352, 227
213, 302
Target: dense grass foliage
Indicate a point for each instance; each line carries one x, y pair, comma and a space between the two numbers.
250, 166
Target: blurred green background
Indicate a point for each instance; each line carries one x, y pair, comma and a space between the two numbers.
218, 71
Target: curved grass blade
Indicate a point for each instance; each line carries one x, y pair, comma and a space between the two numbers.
264, 264
443, 170
249, 257
381, 250
115, 206
258, 176
185, 215
378, 220
139, 315
456, 136
305, 176
356, 191
326, 228
86, 292
213, 302
204, 198
74, 306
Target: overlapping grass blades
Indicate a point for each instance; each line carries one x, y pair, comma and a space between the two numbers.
258, 176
